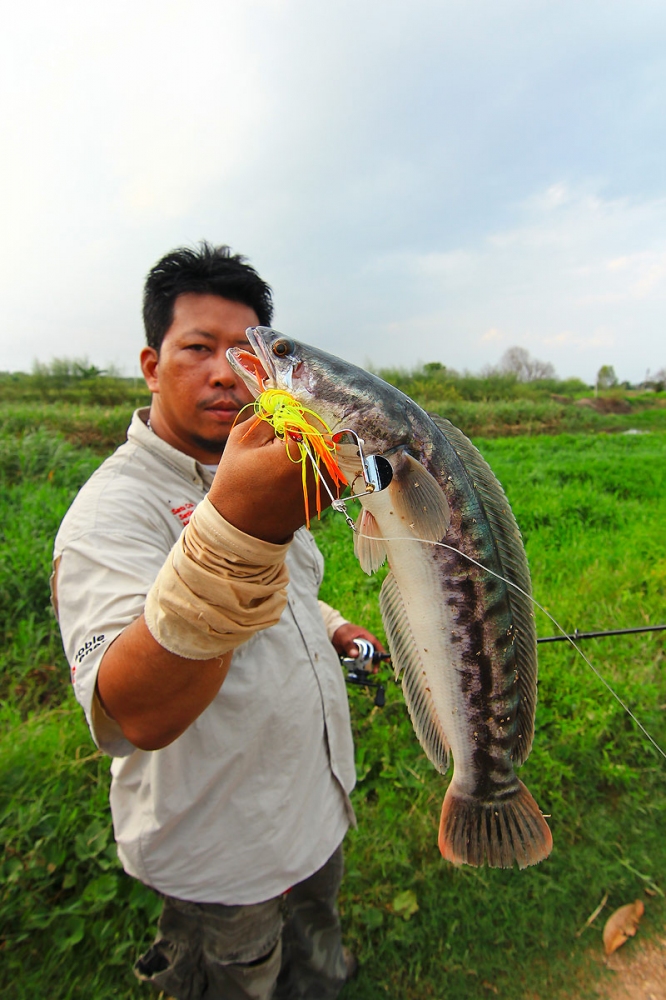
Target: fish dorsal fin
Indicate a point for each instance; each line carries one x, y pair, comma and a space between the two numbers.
418, 499
368, 547
407, 659
513, 561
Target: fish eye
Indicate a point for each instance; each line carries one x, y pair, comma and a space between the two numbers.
283, 347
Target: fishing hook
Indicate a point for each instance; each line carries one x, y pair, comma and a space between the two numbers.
376, 472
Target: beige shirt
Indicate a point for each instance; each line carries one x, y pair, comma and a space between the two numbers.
253, 797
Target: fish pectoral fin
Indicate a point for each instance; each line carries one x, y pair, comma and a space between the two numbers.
407, 660
369, 547
419, 500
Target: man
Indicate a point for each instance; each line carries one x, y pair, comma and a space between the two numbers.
231, 774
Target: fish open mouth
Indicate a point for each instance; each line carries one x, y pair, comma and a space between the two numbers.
255, 369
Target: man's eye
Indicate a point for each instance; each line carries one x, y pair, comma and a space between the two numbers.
197, 347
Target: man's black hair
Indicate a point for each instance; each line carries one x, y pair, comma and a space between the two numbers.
205, 270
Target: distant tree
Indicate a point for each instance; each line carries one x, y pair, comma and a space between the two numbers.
606, 377
59, 368
517, 361
65, 370
657, 381
83, 370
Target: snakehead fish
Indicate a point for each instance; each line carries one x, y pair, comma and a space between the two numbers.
463, 640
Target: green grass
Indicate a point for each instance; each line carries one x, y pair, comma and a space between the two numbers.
101, 428
520, 417
71, 382
593, 513
73, 920
39, 475
96, 415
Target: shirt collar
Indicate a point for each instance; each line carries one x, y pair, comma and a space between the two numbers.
139, 433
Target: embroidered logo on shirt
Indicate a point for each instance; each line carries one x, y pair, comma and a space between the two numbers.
184, 512
90, 644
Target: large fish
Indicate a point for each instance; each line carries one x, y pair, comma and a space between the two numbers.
464, 640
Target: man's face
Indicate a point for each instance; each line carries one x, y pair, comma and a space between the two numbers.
196, 395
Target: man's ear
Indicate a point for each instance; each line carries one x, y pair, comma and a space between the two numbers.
149, 360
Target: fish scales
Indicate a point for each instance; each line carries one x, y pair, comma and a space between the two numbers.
463, 640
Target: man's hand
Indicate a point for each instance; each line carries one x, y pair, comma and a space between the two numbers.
258, 487
344, 639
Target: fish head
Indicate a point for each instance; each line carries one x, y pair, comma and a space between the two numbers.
342, 394
383, 423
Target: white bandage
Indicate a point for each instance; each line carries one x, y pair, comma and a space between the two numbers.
217, 587
332, 619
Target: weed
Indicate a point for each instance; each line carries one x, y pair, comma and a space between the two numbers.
40, 473
592, 509
100, 428
70, 919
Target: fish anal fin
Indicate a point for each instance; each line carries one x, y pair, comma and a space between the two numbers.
498, 834
418, 499
369, 549
407, 660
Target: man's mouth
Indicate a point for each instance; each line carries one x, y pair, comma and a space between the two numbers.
222, 407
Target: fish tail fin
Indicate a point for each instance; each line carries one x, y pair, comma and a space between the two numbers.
499, 834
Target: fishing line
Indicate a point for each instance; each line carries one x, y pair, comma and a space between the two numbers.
289, 418
451, 548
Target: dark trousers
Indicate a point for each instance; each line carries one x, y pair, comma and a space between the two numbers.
287, 948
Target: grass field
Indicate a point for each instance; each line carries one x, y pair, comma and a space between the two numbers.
592, 508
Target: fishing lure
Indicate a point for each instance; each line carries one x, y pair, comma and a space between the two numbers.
313, 437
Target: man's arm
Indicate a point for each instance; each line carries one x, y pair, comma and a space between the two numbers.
162, 694
155, 694
343, 634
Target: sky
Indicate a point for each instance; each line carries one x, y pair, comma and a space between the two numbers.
418, 180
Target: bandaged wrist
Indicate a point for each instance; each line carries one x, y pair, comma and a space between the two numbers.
217, 587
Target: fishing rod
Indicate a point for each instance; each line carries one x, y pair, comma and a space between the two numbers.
360, 670
377, 473
576, 635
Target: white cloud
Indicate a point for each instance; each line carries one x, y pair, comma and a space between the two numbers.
567, 338
568, 282
493, 335
410, 176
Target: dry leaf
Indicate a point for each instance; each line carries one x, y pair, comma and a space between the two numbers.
622, 925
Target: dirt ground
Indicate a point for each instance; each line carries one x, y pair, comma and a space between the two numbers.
639, 971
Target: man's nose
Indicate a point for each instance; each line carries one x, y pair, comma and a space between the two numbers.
222, 373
